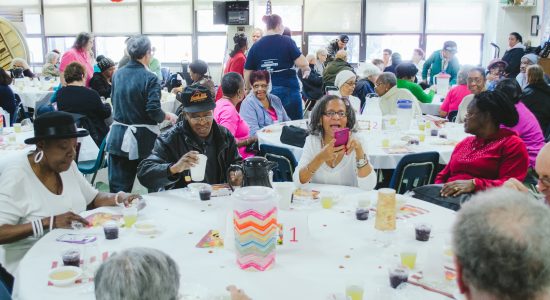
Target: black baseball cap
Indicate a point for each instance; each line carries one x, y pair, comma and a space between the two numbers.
450, 46
197, 98
343, 38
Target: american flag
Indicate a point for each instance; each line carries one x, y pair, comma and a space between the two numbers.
268, 8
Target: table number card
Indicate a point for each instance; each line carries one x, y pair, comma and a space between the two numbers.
293, 228
370, 122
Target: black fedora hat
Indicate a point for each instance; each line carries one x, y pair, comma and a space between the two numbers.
55, 125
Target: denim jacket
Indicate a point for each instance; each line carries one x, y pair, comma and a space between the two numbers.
255, 114
135, 94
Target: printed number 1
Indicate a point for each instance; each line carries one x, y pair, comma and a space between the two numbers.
293, 229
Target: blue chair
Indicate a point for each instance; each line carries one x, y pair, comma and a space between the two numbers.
286, 163
93, 166
414, 170
4, 293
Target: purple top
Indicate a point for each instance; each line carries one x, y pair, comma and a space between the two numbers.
528, 129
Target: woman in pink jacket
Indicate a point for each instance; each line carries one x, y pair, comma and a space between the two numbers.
528, 128
80, 52
226, 114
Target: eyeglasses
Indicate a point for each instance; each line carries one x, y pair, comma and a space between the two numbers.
332, 114
349, 83
259, 86
377, 84
201, 119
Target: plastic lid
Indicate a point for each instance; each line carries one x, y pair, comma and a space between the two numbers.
443, 75
403, 103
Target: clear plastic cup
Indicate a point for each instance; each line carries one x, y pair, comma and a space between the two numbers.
422, 231
354, 291
17, 127
71, 257
130, 215
408, 258
398, 275
284, 191
111, 230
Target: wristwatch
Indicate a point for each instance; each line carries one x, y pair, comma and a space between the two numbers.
362, 161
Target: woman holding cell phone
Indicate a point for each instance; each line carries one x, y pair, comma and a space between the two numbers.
333, 154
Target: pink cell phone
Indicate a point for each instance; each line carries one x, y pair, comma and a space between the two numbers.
341, 136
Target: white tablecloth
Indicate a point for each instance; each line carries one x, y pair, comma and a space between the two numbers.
30, 95
340, 248
88, 148
378, 156
432, 108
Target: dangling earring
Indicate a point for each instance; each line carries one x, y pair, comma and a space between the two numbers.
38, 156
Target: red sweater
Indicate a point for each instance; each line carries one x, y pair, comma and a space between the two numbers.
489, 161
235, 64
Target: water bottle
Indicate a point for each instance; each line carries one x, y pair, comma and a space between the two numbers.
404, 113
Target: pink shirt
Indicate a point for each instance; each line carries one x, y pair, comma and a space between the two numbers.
227, 116
528, 129
82, 57
272, 113
454, 97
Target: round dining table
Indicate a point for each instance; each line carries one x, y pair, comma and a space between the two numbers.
35, 91
88, 148
380, 157
332, 249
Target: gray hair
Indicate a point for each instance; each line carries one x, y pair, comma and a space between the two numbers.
368, 69
462, 77
138, 46
138, 273
321, 51
501, 239
19, 61
51, 57
388, 77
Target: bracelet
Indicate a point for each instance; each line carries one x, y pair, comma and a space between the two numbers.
37, 228
52, 220
116, 198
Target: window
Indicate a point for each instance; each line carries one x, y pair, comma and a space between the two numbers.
394, 16
172, 49
205, 22
290, 12
65, 17
167, 16
469, 46
212, 48
298, 40
320, 16
111, 47
115, 18
32, 21
402, 44
60, 43
315, 42
35, 49
440, 20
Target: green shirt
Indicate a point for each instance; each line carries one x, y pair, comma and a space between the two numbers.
434, 65
416, 90
154, 66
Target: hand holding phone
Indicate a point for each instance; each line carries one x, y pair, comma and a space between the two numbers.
341, 136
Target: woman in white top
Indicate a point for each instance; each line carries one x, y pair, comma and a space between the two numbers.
345, 81
323, 162
44, 190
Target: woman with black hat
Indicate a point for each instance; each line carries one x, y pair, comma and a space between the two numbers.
43, 190
101, 81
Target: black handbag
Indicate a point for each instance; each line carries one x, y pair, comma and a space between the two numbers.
293, 135
431, 193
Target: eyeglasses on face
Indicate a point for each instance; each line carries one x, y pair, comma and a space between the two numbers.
201, 119
333, 114
348, 83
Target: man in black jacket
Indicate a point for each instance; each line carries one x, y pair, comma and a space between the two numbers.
175, 151
336, 45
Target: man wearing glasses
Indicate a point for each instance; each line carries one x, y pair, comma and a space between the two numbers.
542, 167
176, 151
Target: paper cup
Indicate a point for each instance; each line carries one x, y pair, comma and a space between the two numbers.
284, 191
197, 172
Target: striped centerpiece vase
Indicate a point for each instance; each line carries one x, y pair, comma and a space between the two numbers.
255, 226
